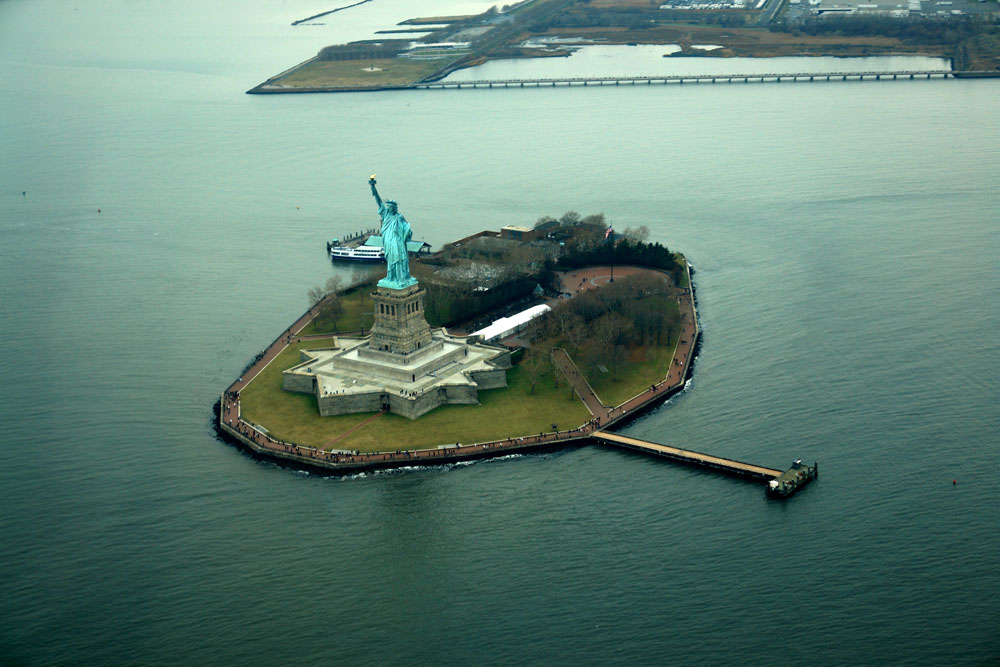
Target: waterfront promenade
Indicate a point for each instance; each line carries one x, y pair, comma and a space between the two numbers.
258, 440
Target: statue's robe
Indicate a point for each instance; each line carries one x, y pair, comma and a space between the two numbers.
395, 233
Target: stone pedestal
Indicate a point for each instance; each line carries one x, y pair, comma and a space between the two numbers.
400, 329
403, 367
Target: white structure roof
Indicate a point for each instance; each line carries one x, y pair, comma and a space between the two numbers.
508, 325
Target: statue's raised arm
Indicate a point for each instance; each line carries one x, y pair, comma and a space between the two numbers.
378, 200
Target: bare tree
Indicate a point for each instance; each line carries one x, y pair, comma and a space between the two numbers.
333, 284
570, 218
637, 234
315, 295
534, 364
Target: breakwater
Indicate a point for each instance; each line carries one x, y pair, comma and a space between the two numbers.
328, 12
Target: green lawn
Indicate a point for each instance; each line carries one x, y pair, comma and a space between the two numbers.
635, 376
511, 411
357, 313
355, 74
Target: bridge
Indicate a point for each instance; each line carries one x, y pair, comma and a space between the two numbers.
685, 78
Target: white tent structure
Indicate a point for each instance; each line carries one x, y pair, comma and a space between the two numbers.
506, 326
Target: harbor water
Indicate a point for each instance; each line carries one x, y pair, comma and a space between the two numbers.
161, 227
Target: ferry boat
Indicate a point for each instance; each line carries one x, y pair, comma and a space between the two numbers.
370, 250
361, 253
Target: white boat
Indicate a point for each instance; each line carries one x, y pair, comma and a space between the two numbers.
371, 250
361, 253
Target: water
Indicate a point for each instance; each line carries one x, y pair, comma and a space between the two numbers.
845, 238
648, 60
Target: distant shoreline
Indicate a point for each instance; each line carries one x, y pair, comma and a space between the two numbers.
268, 88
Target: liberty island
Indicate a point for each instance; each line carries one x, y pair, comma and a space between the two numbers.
407, 368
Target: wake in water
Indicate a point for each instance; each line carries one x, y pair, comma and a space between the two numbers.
422, 468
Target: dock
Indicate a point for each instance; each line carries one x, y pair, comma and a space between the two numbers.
792, 479
779, 484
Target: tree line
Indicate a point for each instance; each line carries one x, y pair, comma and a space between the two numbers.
604, 327
364, 50
625, 251
925, 30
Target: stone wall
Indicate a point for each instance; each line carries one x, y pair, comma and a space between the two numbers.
345, 404
294, 382
403, 373
493, 379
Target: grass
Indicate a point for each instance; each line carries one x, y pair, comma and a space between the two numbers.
354, 74
511, 411
648, 365
358, 312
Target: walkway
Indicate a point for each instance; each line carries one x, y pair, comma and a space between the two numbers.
688, 456
580, 385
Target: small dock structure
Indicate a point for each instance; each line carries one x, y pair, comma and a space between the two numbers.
779, 484
792, 479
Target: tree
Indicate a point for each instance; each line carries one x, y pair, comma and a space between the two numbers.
330, 310
314, 295
567, 324
534, 364
637, 234
570, 219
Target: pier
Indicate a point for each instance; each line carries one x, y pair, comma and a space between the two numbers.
729, 466
779, 484
686, 78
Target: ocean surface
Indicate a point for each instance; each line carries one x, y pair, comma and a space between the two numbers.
160, 227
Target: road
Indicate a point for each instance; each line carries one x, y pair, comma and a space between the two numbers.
771, 10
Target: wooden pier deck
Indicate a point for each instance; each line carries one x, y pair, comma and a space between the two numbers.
687, 456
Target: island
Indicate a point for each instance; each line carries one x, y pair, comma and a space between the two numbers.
964, 31
528, 336
556, 335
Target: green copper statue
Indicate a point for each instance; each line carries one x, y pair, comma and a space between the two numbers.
395, 233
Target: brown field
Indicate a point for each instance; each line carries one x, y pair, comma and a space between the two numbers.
425, 20
752, 42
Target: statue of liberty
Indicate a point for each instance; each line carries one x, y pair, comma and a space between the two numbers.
395, 233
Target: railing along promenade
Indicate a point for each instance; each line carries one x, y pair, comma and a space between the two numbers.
258, 440
686, 78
